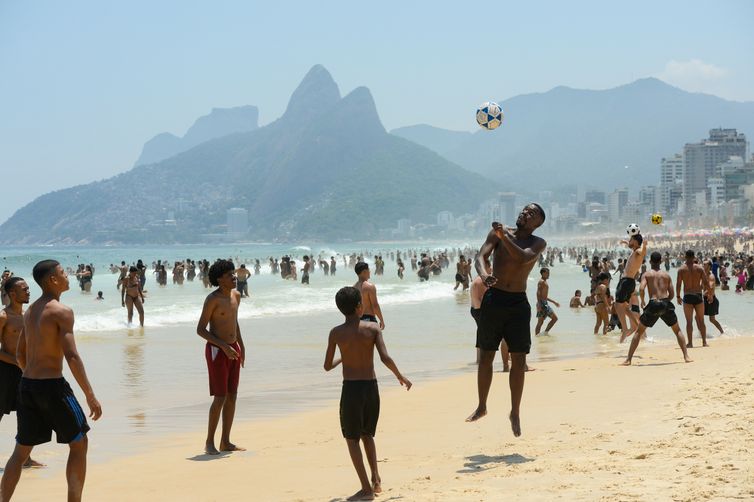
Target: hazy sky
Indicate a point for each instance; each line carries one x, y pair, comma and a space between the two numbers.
84, 84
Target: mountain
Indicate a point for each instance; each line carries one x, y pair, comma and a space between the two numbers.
325, 169
439, 140
220, 122
566, 136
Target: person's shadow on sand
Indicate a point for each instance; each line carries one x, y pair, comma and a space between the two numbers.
477, 463
204, 457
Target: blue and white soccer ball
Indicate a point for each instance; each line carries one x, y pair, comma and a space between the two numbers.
633, 229
489, 115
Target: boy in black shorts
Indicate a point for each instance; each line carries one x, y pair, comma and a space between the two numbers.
360, 398
45, 400
660, 306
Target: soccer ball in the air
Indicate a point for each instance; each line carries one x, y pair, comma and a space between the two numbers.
657, 219
489, 115
633, 229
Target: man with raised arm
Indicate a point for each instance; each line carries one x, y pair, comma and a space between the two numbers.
660, 306
46, 401
627, 285
505, 311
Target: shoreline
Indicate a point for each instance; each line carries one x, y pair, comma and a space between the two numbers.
588, 423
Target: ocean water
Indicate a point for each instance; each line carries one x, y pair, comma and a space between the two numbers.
152, 381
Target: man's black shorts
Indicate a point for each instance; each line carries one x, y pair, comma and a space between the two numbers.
692, 298
10, 376
359, 408
711, 309
659, 309
48, 405
504, 316
626, 287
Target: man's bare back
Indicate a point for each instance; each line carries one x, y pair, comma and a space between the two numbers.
659, 284
356, 344
691, 278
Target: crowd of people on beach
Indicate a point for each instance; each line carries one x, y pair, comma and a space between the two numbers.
35, 341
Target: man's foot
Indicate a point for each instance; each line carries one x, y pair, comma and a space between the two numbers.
231, 447
688, 359
377, 486
689, 345
627, 362
210, 449
32, 463
705, 344
529, 368
478, 413
362, 495
515, 424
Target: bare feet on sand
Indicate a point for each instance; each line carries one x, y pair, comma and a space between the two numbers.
362, 495
627, 362
32, 463
478, 413
515, 424
210, 449
231, 447
377, 486
688, 359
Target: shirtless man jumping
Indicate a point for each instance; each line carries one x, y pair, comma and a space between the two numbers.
225, 352
46, 401
691, 275
11, 326
627, 285
505, 311
371, 307
132, 296
660, 306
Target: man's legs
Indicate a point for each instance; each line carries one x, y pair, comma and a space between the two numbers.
553, 320
358, 463
229, 412
505, 355
371, 450
699, 313
516, 384
681, 344
214, 418
538, 328
688, 312
716, 323
12, 472
75, 471
634, 344
484, 380
622, 310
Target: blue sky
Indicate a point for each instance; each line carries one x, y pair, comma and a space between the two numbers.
85, 84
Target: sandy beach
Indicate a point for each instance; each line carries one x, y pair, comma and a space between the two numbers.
660, 430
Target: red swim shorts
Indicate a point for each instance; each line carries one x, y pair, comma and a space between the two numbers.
223, 372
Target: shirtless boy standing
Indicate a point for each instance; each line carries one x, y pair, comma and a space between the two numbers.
660, 306
225, 352
371, 307
627, 285
11, 326
543, 307
505, 311
360, 398
693, 279
45, 400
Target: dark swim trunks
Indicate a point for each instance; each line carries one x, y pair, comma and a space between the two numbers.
359, 408
369, 318
10, 377
659, 309
692, 299
504, 316
626, 287
635, 308
459, 278
48, 405
711, 309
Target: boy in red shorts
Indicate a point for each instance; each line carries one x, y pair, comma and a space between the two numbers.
225, 352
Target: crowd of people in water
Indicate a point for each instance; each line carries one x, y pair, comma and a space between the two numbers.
35, 341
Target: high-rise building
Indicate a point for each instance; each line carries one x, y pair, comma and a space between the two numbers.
237, 220
701, 160
616, 202
597, 196
736, 174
